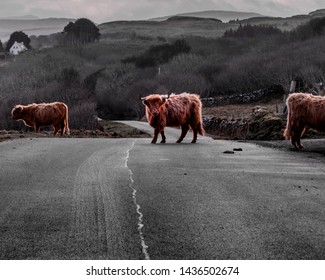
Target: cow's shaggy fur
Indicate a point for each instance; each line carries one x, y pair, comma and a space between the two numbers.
304, 110
36, 115
183, 110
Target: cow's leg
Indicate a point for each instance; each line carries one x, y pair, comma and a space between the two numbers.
293, 137
297, 131
300, 132
56, 129
36, 128
62, 127
155, 136
194, 135
163, 140
185, 129
293, 143
296, 138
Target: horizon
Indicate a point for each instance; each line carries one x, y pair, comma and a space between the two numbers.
37, 17
100, 11
56, 24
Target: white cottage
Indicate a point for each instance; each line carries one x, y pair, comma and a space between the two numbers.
17, 48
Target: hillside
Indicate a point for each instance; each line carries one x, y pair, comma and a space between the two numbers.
28, 17
285, 24
317, 13
170, 28
224, 16
211, 24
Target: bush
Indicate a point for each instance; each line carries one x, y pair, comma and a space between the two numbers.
158, 54
184, 64
315, 27
69, 76
178, 83
250, 31
83, 116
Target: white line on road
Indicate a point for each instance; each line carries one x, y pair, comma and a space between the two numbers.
134, 192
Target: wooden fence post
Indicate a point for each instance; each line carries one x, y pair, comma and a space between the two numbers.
292, 86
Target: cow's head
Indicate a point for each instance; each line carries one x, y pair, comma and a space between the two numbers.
16, 112
154, 102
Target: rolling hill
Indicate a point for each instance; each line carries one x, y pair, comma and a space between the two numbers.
173, 27
224, 16
205, 24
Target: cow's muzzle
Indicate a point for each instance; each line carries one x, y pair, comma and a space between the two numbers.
155, 112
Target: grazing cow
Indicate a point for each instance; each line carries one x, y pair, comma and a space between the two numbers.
304, 110
183, 110
36, 115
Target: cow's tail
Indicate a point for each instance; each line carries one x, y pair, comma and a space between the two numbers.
200, 124
66, 121
287, 130
200, 128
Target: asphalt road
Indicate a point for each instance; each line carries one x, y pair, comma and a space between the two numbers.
64, 198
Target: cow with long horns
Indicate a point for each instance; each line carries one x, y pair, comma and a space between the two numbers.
183, 110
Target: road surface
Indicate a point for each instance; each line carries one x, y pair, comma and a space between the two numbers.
64, 198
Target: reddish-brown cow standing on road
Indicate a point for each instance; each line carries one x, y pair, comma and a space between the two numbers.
36, 115
304, 110
183, 110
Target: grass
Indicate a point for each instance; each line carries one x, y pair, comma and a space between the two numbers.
108, 129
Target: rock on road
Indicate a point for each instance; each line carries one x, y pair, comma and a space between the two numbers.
64, 198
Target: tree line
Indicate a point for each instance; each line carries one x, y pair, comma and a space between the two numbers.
80, 32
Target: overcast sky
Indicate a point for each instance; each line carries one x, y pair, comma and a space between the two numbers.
101, 11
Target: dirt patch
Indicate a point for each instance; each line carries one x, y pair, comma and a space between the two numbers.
245, 121
240, 111
266, 126
108, 129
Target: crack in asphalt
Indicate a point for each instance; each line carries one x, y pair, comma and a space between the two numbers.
134, 197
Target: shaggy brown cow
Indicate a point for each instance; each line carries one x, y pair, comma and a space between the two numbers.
304, 110
183, 110
36, 115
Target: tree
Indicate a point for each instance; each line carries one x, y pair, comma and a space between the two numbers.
1, 48
251, 31
315, 27
81, 32
19, 37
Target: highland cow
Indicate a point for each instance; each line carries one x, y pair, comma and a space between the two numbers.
304, 110
183, 110
36, 115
